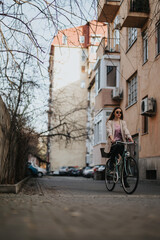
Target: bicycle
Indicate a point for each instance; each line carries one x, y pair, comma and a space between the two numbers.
125, 170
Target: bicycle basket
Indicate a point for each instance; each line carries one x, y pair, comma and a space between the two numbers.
131, 149
104, 154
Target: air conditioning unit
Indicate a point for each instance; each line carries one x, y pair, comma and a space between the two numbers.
117, 93
148, 106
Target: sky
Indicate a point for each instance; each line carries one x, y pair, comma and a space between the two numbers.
62, 14
67, 16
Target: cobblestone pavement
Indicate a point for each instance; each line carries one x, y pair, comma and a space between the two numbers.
66, 208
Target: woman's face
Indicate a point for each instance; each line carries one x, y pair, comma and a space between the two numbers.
118, 113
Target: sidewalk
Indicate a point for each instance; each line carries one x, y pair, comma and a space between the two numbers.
149, 187
78, 208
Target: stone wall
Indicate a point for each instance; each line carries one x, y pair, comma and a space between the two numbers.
4, 128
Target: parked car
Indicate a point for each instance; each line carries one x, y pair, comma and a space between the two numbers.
42, 171
63, 171
70, 169
101, 168
56, 173
36, 171
99, 172
88, 172
76, 172
95, 168
32, 170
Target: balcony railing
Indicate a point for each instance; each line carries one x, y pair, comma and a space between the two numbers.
139, 6
101, 47
112, 45
108, 45
136, 13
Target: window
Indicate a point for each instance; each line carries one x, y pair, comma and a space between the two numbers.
82, 39
132, 90
97, 80
100, 125
99, 83
83, 69
98, 132
94, 49
145, 46
108, 113
111, 76
95, 39
96, 83
107, 74
83, 56
64, 39
144, 124
158, 37
132, 36
116, 37
116, 31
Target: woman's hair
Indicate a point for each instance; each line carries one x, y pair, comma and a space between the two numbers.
111, 117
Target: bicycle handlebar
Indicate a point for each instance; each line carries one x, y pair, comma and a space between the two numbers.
124, 143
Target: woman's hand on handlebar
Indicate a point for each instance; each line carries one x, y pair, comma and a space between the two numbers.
113, 141
131, 140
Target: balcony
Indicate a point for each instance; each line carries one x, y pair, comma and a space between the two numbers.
136, 13
101, 47
107, 10
110, 45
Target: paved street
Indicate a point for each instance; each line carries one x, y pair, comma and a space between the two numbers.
78, 208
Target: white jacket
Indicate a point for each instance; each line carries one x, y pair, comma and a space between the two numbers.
111, 130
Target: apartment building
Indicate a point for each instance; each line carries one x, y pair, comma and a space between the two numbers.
134, 30
72, 56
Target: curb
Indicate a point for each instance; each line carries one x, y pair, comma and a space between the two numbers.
12, 188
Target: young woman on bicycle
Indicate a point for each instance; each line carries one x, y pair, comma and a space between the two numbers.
116, 131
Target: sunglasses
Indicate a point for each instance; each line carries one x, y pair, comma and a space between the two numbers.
118, 112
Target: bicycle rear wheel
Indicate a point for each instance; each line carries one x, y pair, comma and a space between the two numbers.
130, 175
109, 177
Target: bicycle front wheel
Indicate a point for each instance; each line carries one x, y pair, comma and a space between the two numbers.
109, 177
130, 175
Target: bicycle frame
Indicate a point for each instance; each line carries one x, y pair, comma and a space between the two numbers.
119, 165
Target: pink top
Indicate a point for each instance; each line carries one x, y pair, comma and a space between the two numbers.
117, 133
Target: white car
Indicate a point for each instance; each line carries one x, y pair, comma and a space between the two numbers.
41, 171
88, 172
63, 171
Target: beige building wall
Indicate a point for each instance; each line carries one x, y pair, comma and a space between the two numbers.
148, 85
70, 87
70, 155
148, 80
72, 57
